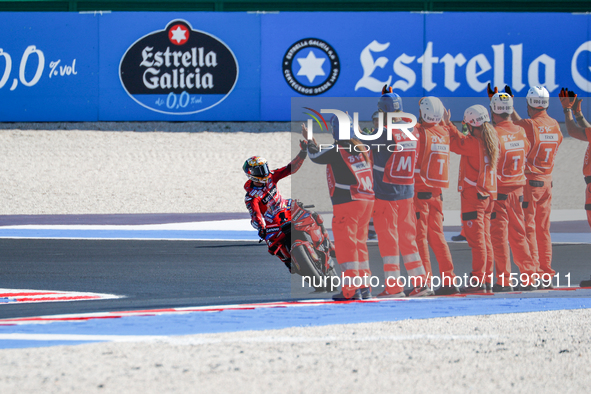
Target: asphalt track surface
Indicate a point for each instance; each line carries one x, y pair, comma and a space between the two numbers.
166, 274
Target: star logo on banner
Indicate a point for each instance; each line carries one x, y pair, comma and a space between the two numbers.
178, 35
311, 66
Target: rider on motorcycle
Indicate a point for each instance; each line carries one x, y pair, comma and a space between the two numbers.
262, 199
268, 207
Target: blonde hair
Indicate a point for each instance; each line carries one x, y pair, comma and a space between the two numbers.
491, 143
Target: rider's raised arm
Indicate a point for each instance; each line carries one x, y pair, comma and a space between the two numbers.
291, 168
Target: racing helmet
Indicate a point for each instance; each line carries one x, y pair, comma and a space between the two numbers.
390, 102
431, 109
334, 123
256, 169
501, 103
476, 115
538, 97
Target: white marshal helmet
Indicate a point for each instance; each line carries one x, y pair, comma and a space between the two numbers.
476, 115
431, 109
538, 97
501, 103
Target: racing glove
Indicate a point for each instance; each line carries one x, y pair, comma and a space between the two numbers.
304, 145
262, 233
304, 149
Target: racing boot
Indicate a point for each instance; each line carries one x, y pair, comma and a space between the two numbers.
329, 243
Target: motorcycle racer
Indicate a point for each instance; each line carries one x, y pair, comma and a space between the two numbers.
263, 199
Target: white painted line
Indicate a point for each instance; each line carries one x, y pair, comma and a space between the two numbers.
136, 239
218, 225
452, 218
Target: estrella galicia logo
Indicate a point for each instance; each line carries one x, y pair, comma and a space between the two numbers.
311, 66
178, 70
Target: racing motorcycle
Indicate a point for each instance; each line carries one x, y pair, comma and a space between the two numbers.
298, 237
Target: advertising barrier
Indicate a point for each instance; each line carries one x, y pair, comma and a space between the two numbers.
441, 54
149, 66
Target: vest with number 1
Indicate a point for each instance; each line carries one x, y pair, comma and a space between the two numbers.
363, 189
514, 149
434, 169
547, 138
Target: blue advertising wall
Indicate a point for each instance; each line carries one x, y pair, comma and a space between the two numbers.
444, 55
55, 45
93, 67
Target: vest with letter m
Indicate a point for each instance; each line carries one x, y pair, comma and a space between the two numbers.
363, 189
400, 167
